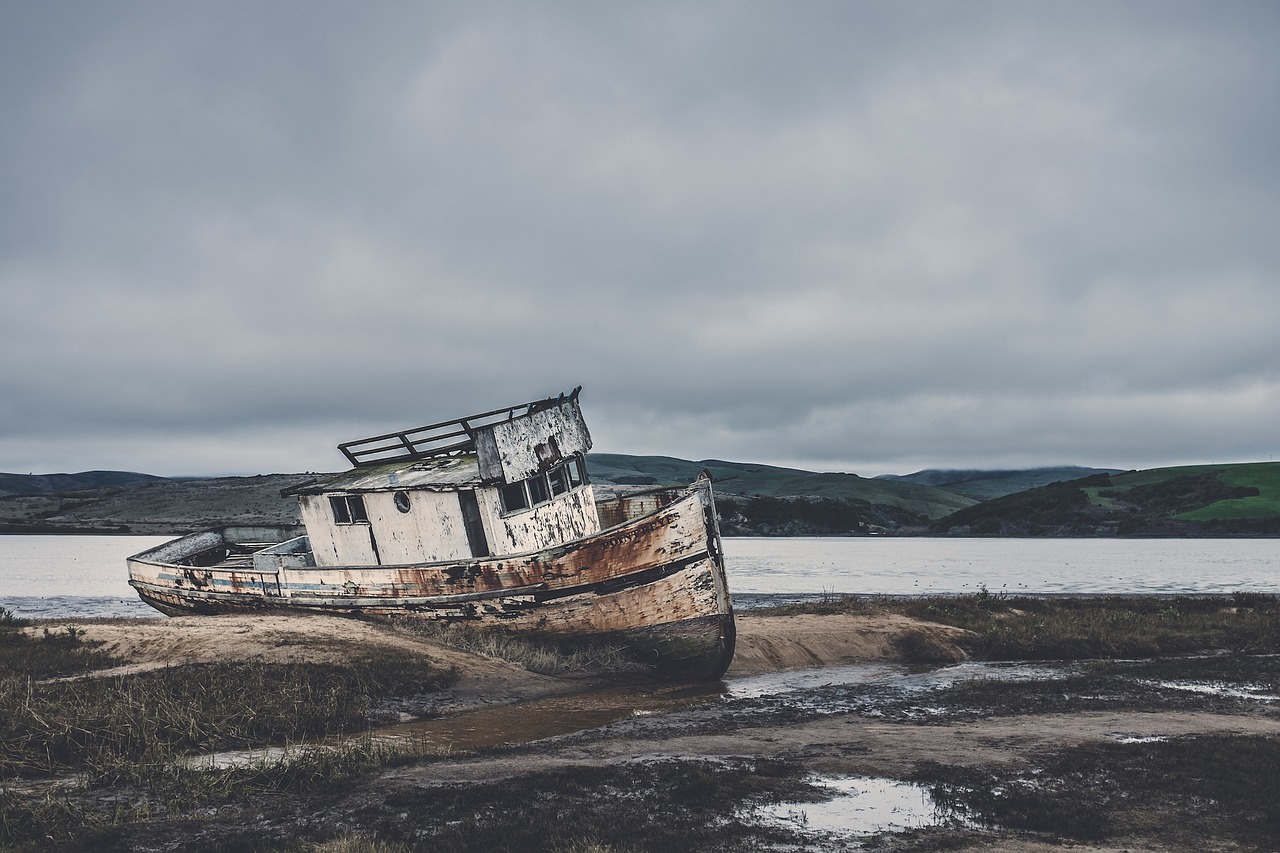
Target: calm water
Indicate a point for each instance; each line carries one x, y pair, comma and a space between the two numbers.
893, 566
86, 575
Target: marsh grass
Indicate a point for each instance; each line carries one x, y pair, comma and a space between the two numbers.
47, 655
110, 726
1077, 628
544, 656
134, 734
82, 818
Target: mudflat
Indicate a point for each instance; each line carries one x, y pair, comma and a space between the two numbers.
625, 763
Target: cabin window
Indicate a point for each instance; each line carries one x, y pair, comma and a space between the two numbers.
559, 479
514, 497
348, 509
402, 501
538, 493
577, 472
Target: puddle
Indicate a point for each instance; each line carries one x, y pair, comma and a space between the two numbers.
860, 805
870, 689
1120, 737
862, 688
544, 718
1244, 691
901, 678
522, 722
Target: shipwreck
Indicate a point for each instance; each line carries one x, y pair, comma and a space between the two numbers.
488, 521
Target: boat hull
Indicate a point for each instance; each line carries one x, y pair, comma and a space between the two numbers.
655, 583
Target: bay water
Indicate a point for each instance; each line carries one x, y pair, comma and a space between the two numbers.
80, 576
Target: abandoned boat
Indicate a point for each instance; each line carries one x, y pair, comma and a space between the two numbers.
487, 521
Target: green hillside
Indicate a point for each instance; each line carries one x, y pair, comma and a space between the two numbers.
1200, 500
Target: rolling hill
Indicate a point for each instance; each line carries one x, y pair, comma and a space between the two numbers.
1188, 501
48, 484
985, 485
878, 502
1205, 500
744, 478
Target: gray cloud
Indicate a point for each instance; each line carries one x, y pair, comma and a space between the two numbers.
852, 236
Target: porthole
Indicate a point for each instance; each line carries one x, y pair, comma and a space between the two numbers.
402, 501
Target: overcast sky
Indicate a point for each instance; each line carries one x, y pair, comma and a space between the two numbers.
853, 236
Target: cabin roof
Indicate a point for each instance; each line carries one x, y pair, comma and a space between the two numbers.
441, 473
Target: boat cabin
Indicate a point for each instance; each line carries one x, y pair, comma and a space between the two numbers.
499, 483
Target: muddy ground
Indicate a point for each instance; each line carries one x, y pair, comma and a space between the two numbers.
1024, 757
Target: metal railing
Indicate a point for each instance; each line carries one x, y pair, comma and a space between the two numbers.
439, 439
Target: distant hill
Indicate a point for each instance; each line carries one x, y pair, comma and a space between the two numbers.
47, 484
985, 485
1186, 501
1205, 500
122, 502
770, 500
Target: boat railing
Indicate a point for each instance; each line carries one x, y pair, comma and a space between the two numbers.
438, 439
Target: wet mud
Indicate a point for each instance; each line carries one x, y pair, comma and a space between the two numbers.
1005, 756
1175, 753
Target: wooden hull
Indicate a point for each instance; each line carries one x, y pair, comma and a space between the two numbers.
656, 583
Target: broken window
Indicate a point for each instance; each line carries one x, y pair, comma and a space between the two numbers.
538, 490
577, 472
514, 497
348, 509
559, 479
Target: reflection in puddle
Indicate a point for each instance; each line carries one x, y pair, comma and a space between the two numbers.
838, 689
901, 678
563, 715
522, 722
873, 689
544, 718
1120, 737
832, 690
1244, 691
860, 805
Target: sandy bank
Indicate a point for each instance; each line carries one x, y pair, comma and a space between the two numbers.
775, 643
303, 638
765, 643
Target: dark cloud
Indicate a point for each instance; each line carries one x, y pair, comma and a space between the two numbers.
869, 237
